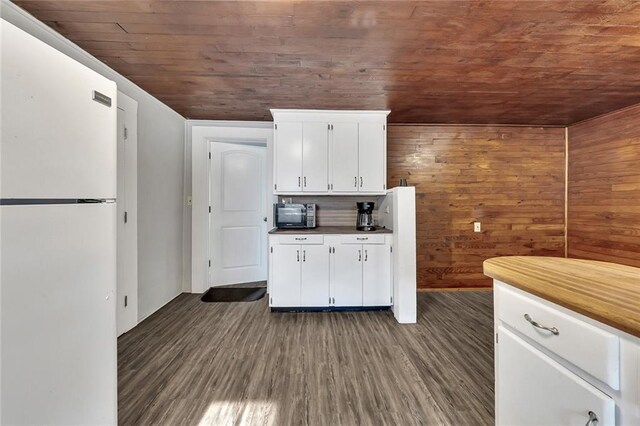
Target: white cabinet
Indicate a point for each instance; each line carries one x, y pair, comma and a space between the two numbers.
288, 157
286, 277
371, 157
536, 390
315, 152
346, 277
344, 157
299, 275
314, 289
330, 152
361, 274
376, 275
554, 366
300, 157
330, 270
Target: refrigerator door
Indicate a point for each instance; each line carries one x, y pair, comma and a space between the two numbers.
58, 351
57, 142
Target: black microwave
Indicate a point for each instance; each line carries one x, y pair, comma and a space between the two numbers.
294, 215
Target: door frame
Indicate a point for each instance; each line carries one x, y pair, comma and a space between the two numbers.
127, 235
202, 134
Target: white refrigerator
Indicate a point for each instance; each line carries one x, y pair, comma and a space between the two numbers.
57, 237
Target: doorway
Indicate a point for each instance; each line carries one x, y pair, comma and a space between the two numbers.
238, 218
208, 266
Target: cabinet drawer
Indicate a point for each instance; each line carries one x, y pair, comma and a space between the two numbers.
589, 348
301, 239
362, 239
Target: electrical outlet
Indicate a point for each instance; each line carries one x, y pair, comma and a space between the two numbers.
477, 227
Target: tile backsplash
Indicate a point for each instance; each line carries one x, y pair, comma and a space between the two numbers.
336, 210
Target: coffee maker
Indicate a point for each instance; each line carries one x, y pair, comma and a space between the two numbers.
365, 216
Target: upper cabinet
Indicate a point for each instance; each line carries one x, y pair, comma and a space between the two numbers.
330, 152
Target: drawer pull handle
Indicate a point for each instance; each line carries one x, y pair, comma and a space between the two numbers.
535, 324
593, 419
301, 239
362, 238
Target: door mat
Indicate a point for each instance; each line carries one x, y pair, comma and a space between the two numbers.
234, 294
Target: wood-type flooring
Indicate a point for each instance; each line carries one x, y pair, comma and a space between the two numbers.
198, 363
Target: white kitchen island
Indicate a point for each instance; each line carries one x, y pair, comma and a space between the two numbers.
567, 341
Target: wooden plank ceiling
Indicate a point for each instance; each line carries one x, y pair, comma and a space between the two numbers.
493, 61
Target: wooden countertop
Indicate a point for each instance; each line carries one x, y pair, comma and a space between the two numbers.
330, 230
605, 292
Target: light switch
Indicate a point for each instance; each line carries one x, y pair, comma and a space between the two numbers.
477, 227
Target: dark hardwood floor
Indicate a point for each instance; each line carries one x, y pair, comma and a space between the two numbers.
238, 363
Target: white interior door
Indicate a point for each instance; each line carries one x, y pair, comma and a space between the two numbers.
238, 227
127, 228
344, 157
288, 157
315, 150
376, 275
371, 156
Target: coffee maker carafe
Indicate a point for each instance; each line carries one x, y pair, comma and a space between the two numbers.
365, 216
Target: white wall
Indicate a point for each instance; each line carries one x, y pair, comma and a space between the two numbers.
160, 173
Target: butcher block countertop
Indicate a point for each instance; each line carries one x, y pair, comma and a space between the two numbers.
329, 230
605, 292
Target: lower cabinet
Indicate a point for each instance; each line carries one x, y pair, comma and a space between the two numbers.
533, 389
325, 271
299, 275
554, 366
346, 277
376, 275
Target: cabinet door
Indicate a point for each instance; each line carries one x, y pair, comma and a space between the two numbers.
376, 275
315, 275
288, 157
285, 288
371, 157
347, 275
344, 157
315, 152
533, 389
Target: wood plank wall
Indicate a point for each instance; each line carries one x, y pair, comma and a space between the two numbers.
604, 188
509, 178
